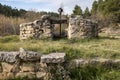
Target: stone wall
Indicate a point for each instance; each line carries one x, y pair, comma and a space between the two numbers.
44, 28
81, 28
53, 66
37, 29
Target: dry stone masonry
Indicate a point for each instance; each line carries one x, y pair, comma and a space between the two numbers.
29, 65
81, 28
44, 28
37, 29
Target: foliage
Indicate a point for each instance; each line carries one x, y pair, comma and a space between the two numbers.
98, 72
77, 10
87, 13
107, 12
94, 7
9, 11
9, 25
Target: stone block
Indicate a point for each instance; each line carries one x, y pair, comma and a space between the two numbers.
10, 76
9, 57
6, 67
29, 75
3, 76
40, 75
79, 62
29, 55
27, 68
53, 58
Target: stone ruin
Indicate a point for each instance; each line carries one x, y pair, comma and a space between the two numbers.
81, 28
37, 29
44, 28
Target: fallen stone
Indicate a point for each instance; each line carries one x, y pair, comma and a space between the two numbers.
53, 58
9, 57
29, 55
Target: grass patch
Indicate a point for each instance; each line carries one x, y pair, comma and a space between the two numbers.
90, 72
76, 48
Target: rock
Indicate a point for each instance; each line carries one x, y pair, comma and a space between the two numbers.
81, 28
29, 55
117, 61
10, 76
79, 62
6, 67
105, 61
16, 68
53, 58
40, 75
29, 75
27, 68
3, 76
9, 57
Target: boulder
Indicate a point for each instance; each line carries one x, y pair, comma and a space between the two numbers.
29, 55
53, 58
9, 57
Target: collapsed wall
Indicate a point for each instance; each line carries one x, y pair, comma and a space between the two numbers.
38, 29
81, 28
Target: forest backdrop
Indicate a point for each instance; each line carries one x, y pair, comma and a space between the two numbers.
105, 12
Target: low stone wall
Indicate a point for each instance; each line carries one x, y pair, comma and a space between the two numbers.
29, 64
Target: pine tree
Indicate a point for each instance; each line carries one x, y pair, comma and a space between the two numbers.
100, 6
87, 13
94, 7
77, 10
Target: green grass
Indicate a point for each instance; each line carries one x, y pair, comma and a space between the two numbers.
104, 47
76, 48
91, 72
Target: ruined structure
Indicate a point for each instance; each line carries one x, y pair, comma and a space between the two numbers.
81, 28
38, 29
44, 28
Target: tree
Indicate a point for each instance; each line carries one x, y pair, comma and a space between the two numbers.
94, 7
100, 5
112, 9
87, 13
77, 10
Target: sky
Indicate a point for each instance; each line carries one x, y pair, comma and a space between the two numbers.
48, 5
